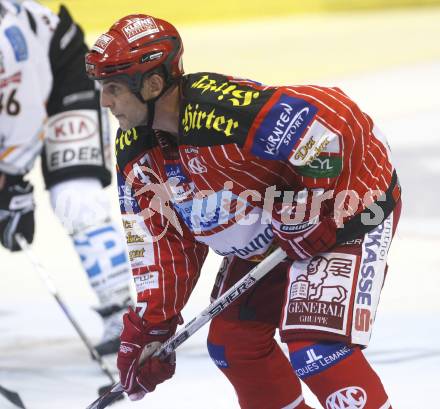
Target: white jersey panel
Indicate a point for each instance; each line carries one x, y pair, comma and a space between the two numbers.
25, 83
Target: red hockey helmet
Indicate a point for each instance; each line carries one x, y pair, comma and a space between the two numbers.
136, 45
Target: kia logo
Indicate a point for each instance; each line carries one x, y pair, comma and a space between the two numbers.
69, 127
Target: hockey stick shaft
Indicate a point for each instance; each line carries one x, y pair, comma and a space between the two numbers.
12, 397
214, 309
53, 290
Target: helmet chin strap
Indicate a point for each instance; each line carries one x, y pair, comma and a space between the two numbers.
151, 103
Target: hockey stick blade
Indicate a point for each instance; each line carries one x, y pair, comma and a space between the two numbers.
12, 397
214, 309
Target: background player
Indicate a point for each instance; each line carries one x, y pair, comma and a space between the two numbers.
49, 107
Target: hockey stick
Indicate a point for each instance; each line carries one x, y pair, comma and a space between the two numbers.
53, 290
214, 309
12, 397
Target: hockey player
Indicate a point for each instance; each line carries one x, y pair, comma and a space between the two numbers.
48, 106
211, 161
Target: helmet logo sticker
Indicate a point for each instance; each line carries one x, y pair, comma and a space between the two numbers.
138, 28
102, 43
151, 56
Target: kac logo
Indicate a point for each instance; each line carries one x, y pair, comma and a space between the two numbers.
352, 397
196, 166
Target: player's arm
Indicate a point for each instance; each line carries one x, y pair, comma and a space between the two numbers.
166, 263
77, 138
75, 161
165, 258
315, 135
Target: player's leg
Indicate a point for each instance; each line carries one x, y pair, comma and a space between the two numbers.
76, 163
84, 211
338, 374
328, 319
241, 343
253, 362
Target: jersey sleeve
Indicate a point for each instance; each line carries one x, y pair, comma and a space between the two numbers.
333, 147
77, 142
165, 258
295, 126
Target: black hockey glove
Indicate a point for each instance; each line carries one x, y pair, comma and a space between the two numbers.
16, 210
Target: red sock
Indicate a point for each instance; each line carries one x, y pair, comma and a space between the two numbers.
338, 375
255, 365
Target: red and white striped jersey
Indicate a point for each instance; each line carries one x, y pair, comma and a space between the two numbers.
213, 186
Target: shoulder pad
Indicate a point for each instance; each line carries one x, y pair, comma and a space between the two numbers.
218, 109
67, 41
280, 128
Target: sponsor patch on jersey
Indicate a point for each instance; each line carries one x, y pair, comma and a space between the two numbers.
124, 139
136, 253
138, 28
147, 281
72, 126
236, 94
139, 241
258, 244
127, 201
321, 167
317, 140
132, 238
370, 280
320, 291
18, 43
180, 186
208, 212
217, 354
102, 43
72, 139
282, 127
176, 171
196, 166
210, 120
318, 357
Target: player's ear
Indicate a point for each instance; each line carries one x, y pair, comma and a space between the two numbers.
152, 86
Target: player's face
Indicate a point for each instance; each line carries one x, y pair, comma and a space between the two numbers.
123, 104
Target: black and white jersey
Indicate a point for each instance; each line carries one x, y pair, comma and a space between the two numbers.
46, 100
